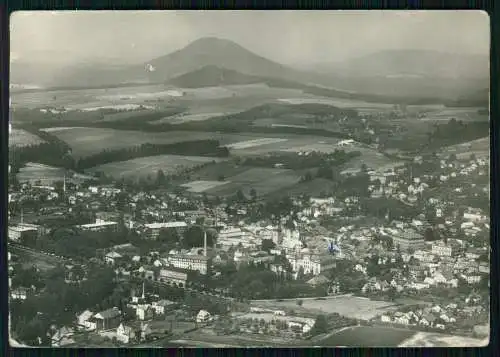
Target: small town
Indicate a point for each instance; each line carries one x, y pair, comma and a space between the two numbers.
186, 179
94, 262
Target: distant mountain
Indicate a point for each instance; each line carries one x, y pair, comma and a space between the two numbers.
398, 74
211, 51
212, 76
410, 73
411, 64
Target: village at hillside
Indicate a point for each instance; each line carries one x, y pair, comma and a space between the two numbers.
110, 264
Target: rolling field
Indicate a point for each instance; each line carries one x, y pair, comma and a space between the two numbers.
373, 160
46, 174
20, 137
185, 118
285, 143
263, 180
81, 98
345, 305
464, 114
212, 172
144, 166
88, 141
202, 186
480, 147
338, 102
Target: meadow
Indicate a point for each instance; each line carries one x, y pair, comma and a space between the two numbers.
202, 186
345, 305
479, 147
20, 138
88, 141
145, 166
33, 172
262, 180
365, 336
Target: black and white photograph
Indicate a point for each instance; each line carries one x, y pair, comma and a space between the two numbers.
249, 179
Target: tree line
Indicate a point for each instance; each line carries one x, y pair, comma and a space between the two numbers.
194, 148
52, 151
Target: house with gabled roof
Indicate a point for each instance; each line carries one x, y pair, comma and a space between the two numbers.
107, 319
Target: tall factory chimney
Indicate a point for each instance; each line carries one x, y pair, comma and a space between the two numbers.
204, 243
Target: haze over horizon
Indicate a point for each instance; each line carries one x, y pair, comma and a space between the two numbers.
291, 37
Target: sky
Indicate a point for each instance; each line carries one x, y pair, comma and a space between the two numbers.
288, 37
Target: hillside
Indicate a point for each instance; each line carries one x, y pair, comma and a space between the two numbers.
410, 73
212, 76
386, 76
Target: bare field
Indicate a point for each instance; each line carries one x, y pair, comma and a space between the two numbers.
349, 306
144, 166
20, 138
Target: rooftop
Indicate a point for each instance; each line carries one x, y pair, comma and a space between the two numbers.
166, 225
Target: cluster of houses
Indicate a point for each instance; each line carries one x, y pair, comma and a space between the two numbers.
437, 316
268, 321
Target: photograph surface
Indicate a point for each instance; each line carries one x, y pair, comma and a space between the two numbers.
249, 179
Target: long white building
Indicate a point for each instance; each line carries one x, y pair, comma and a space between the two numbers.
152, 230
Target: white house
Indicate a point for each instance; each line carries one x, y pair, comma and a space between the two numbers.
203, 316
124, 333
85, 322
112, 258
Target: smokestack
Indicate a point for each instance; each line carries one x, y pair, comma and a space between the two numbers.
204, 243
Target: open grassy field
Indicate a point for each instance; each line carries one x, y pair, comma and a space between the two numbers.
284, 142
81, 98
214, 171
144, 166
88, 141
186, 117
364, 336
313, 188
464, 114
479, 147
202, 186
337, 102
372, 159
345, 305
263, 180
20, 137
33, 172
